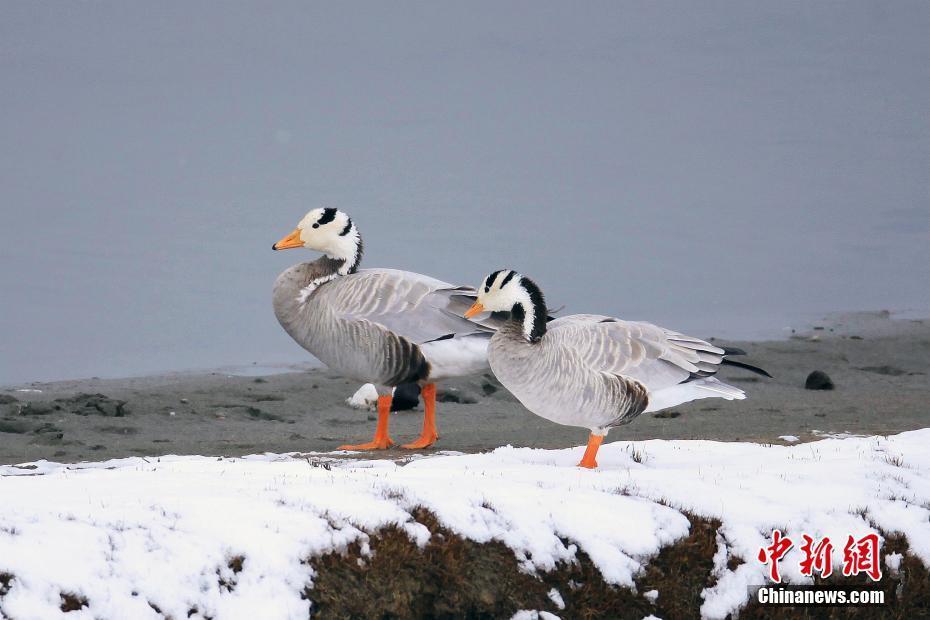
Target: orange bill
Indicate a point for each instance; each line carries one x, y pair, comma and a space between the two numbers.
290, 241
476, 308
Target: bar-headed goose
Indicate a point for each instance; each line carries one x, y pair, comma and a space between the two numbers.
380, 326
593, 371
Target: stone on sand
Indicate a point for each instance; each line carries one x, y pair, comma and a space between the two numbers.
818, 380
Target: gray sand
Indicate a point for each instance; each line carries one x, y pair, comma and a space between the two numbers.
880, 365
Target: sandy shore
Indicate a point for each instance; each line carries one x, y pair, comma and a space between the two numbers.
880, 366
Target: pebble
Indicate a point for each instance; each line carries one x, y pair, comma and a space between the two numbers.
454, 395
818, 380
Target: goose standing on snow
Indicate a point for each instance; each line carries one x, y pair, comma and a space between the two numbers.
380, 326
593, 371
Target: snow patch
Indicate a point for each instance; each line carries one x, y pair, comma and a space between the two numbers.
556, 598
826, 435
231, 536
527, 614
893, 562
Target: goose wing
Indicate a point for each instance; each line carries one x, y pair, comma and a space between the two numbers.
412, 305
656, 357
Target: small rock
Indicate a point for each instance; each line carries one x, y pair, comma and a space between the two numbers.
49, 429
454, 395
818, 380
6, 399
15, 426
257, 414
38, 408
94, 404
488, 388
667, 414
185, 401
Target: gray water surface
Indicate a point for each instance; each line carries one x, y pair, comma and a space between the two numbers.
720, 168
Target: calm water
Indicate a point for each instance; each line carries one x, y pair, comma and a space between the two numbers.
722, 168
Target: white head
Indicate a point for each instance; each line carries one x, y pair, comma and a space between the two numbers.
329, 231
506, 290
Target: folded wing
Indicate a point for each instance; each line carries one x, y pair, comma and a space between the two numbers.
412, 305
673, 367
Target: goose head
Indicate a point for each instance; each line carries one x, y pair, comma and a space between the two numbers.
329, 231
506, 290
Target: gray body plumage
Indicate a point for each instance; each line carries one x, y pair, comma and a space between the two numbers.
599, 372
380, 326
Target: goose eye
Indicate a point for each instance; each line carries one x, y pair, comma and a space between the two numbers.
487, 289
316, 225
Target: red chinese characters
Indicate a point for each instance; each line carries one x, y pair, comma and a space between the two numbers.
861, 556
774, 552
817, 557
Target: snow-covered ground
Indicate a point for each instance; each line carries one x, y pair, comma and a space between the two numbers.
126, 533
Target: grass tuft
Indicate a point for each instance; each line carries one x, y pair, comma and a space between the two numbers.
637, 455
72, 602
6, 582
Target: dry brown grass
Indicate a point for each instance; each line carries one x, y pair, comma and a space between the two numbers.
456, 578
6, 582
72, 602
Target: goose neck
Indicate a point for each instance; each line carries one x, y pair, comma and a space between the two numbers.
529, 312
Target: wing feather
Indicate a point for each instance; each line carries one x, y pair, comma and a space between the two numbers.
412, 305
656, 357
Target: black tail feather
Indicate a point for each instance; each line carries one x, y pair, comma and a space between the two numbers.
733, 351
745, 366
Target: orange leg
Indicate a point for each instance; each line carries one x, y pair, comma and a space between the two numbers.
594, 442
429, 435
381, 441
